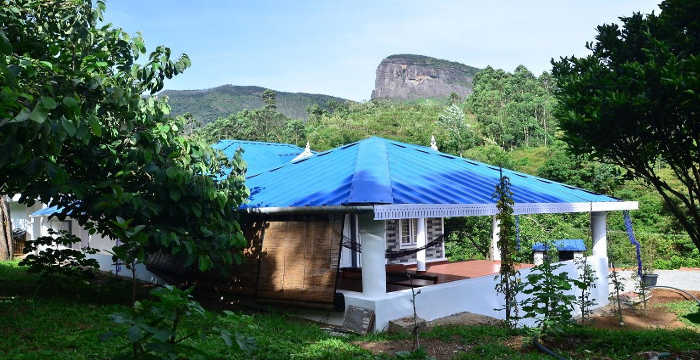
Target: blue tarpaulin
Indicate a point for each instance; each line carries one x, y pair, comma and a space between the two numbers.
562, 245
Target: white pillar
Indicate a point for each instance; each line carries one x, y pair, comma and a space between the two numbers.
599, 233
421, 236
495, 253
373, 256
538, 257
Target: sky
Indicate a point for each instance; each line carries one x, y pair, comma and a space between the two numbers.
333, 47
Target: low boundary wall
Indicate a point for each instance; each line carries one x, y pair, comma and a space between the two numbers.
477, 295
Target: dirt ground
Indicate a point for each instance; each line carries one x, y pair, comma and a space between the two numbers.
439, 349
634, 317
654, 317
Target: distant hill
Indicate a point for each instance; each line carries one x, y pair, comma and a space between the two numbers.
209, 104
409, 77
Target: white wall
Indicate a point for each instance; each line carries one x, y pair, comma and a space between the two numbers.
473, 295
95, 241
19, 215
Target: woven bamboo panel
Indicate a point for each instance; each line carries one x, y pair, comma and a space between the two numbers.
245, 274
299, 259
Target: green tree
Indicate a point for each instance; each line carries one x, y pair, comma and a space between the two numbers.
509, 282
269, 97
453, 132
549, 302
513, 109
634, 102
77, 131
580, 170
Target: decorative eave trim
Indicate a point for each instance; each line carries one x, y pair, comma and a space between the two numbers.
410, 211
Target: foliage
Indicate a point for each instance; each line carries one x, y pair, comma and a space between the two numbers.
513, 109
54, 255
618, 287
78, 132
508, 277
454, 129
153, 327
579, 170
410, 122
586, 281
634, 100
266, 124
688, 312
549, 302
66, 324
468, 237
494, 155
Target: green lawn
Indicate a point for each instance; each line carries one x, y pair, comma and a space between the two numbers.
64, 320
688, 312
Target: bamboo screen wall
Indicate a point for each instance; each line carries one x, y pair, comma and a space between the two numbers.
292, 259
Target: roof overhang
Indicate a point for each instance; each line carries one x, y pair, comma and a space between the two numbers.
411, 211
309, 209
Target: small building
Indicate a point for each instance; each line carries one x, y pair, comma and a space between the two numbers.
361, 224
567, 249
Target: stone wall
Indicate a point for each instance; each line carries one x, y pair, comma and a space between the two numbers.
434, 229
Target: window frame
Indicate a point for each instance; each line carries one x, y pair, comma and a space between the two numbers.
412, 229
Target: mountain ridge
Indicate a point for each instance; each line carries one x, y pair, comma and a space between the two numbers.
207, 105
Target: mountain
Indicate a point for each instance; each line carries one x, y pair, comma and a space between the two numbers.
209, 104
409, 77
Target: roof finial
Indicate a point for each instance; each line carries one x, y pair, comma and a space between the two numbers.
304, 154
433, 143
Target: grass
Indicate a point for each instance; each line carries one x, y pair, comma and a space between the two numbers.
688, 312
64, 320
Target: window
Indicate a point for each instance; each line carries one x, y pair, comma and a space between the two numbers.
407, 232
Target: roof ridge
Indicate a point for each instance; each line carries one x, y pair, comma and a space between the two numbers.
371, 174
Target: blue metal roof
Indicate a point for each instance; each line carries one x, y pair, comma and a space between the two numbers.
382, 171
259, 156
562, 245
47, 211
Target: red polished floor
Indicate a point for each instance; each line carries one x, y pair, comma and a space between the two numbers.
467, 269
436, 273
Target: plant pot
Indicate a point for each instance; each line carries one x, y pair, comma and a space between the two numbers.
650, 279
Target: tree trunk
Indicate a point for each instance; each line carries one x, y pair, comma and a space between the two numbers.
6, 249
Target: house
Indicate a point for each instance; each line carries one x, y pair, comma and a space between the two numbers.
567, 249
346, 226
37, 220
362, 224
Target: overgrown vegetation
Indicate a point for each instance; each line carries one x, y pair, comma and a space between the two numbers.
77, 132
585, 282
66, 320
549, 303
57, 255
633, 102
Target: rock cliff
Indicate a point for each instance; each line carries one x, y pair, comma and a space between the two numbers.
408, 77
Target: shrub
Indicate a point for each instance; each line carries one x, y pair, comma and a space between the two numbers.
549, 302
54, 255
153, 327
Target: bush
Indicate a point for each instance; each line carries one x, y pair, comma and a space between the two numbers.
54, 255
154, 327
